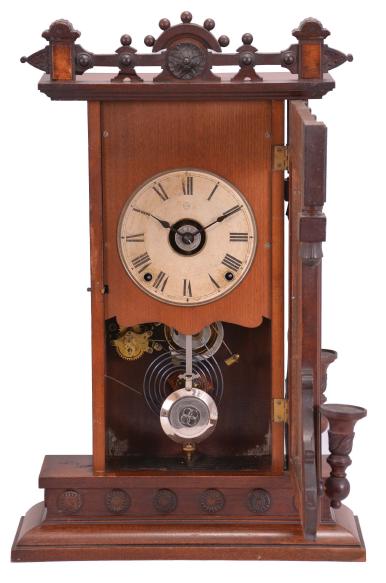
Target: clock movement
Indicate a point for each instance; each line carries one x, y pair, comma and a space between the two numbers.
206, 443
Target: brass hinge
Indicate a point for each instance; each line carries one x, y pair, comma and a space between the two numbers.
280, 410
280, 158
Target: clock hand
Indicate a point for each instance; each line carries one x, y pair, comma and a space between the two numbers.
219, 219
165, 224
225, 215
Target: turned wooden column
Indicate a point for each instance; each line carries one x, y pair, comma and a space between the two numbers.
341, 419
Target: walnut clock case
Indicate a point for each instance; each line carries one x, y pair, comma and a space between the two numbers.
203, 448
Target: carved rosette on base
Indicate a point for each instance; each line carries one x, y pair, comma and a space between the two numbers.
259, 501
212, 501
118, 501
69, 502
165, 501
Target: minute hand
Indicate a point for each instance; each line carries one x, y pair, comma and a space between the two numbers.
165, 224
225, 215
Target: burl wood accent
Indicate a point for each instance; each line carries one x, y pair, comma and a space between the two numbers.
61, 62
233, 140
311, 60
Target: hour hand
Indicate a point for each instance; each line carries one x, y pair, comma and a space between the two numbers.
165, 224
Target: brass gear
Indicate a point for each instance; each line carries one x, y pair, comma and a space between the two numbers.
132, 345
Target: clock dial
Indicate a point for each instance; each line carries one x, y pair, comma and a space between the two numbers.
187, 237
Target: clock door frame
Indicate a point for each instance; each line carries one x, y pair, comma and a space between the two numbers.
307, 140
272, 306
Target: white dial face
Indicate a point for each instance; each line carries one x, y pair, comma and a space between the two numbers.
187, 237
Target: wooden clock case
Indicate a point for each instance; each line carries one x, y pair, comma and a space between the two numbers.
227, 503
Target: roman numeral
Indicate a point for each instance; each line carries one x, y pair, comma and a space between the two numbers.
213, 281
159, 189
161, 281
187, 288
213, 191
139, 238
141, 262
188, 186
231, 262
234, 237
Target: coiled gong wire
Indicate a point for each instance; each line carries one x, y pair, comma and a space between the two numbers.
166, 366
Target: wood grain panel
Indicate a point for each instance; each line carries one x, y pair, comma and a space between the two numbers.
232, 139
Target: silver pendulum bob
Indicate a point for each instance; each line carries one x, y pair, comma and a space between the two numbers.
188, 415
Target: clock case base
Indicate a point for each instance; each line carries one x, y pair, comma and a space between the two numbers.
37, 540
46, 533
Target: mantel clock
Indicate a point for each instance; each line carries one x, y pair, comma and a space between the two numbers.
206, 445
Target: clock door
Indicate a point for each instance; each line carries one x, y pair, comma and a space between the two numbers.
307, 154
192, 256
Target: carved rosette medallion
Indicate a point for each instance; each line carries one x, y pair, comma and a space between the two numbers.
165, 501
185, 61
117, 501
259, 501
69, 502
212, 500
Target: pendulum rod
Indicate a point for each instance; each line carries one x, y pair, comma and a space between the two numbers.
188, 362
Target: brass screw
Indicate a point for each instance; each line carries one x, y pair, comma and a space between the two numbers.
189, 449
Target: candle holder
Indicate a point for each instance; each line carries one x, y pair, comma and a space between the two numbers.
327, 357
341, 419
